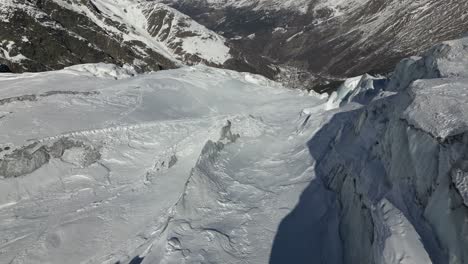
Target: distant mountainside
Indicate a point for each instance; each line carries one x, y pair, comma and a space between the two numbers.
332, 37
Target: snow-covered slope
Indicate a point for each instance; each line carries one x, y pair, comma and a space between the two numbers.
106, 167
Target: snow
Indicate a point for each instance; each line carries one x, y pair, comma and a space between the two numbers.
451, 58
149, 131
8, 48
439, 107
102, 70
136, 17
115, 10
403, 244
207, 50
339, 7
205, 43
294, 36
398, 162
338, 96
356, 89
279, 30
124, 165
439, 100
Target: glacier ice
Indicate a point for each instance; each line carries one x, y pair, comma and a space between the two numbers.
398, 163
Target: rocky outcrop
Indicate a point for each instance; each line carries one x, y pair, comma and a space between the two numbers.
27, 159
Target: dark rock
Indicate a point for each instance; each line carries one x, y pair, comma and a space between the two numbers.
4, 68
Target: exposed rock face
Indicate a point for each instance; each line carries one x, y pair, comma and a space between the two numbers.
338, 38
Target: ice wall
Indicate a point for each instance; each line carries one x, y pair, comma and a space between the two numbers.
399, 165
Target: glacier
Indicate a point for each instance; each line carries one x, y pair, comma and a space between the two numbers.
96, 161
100, 164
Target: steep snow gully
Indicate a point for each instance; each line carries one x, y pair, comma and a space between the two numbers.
204, 165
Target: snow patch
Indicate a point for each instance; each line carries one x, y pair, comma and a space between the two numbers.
171, 41
7, 49
251, 36
102, 70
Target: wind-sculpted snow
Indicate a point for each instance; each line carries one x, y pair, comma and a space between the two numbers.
114, 167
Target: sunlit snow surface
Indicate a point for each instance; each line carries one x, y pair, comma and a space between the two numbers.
149, 131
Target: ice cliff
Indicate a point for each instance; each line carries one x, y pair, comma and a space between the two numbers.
399, 164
